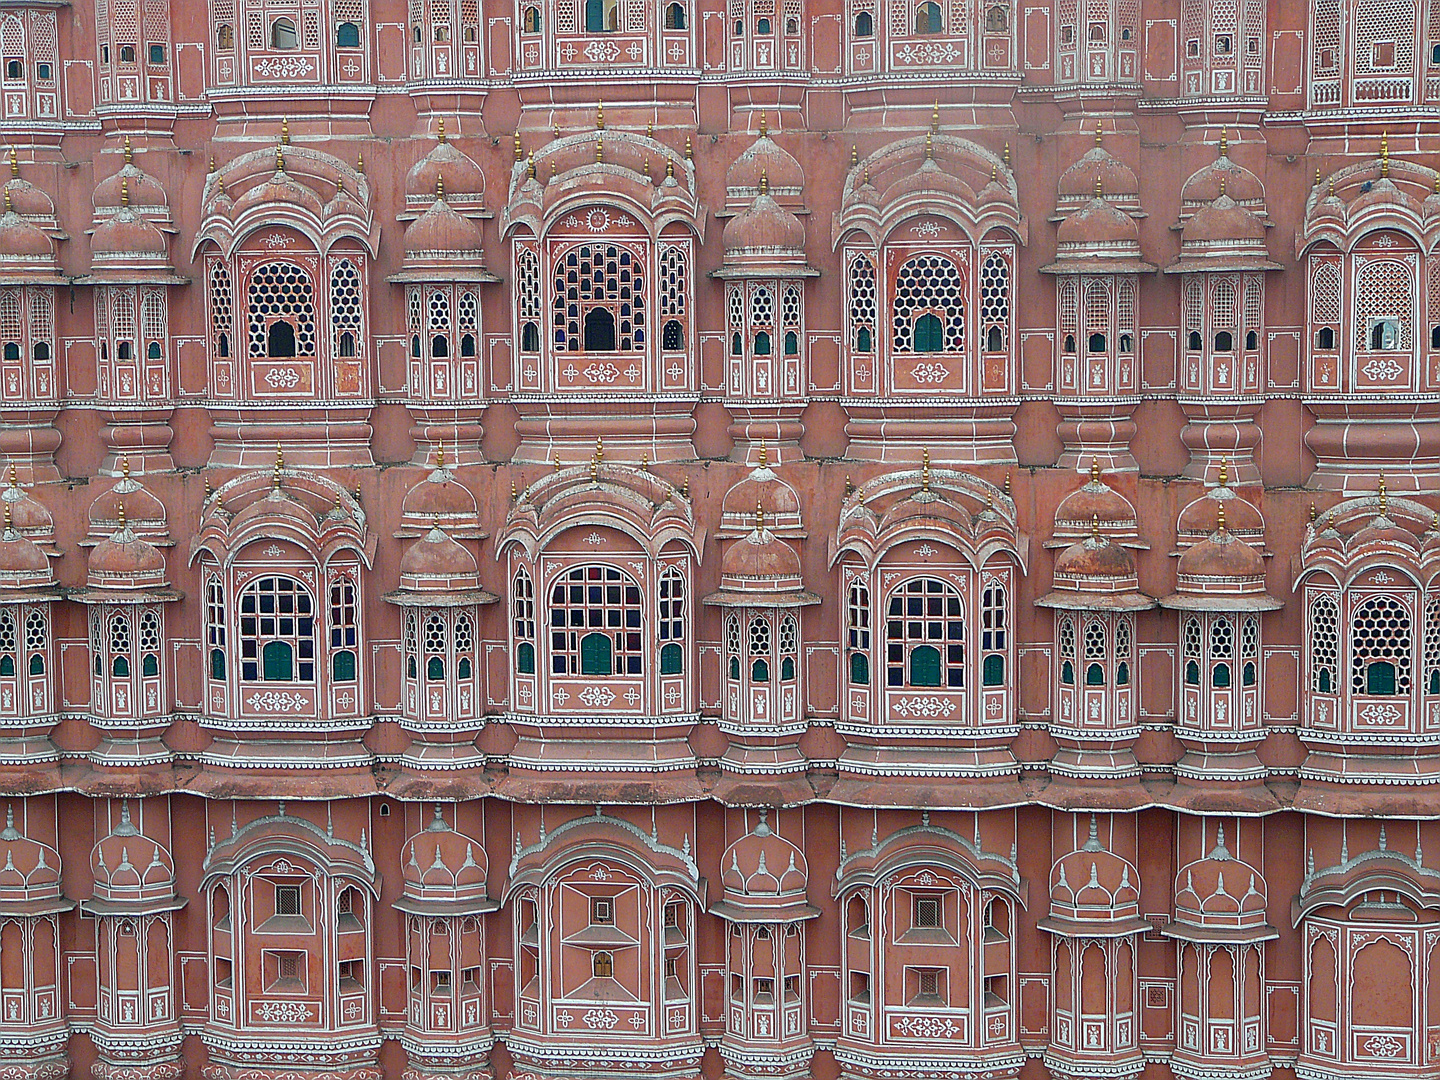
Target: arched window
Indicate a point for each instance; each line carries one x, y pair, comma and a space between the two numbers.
928, 285
1096, 652
280, 612
1192, 647
732, 646
127, 54
789, 646
925, 615
993, 635
120, 639
1325, 338
857, 643
1380, 647
156, 53
8, 642
927, 18
929, 334
437, 647
1066, 635
1432, 645
283, 34
1222, 652
762, 344
532, 20
864, 25
671, 626
862, 340
1194, 341
596, 615
1123, 642
215, 626
1224, 341
792, 343
149, 642
280, 294
523, 607
344, 631
997, 20
759, 649
599, 305
675, 17
225, 37
1096, 344
1324, 641
37, 638
672, 336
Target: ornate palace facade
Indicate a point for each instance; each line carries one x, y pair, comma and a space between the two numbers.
618, 538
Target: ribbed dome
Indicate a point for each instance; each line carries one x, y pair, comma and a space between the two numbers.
1094, 558
1094, 885
29, 870
125, 561
761, 490
760, 556
439, 499
22, 564
1116, 178
27, 199
1223, 220
441, 232
23, 241
448, 166
132, 186
130, 867
1099, 222
127, 502
1221, 556
1220, 891
436, 560
1094, 503
766, 228
442, 866
763, 864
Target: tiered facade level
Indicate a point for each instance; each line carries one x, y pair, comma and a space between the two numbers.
719, 538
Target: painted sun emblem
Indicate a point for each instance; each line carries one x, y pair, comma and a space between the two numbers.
597, 220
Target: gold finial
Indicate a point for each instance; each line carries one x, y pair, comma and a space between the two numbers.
530, 165
929, 146
129, 156
212, 163
764, 456
759, 516
669, 169
556, 129
552, 168
119, 513
600, 116
1007, 485
7, 517
925, 470
14, 164
763, 125
1094, 526
994, 172
1312, 514
1437, 182
514, 491
685, 488
279, 159
558, 466
764, 183
340, 507
1384, 497
645, 460
284, 131
1099, 187
1099, 133
599, 450
1332, 184
1317, 175
340, 186
849, 486
440, 455
867, 174
125, 466
1005, 157
519, 150
9, 206
1225, 471
1220, 519
124, 192
935, 119
646, 168
689, 149
14, 480
220, 184
600, 149
1224, 142
440, 131
594, 470
854, 155
279, 464
440, 188
650, 129
209, 491
1094, 470
1384, 154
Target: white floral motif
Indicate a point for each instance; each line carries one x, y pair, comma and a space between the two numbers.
1383, 369
600, 1018
926, 230
927, 1027
924, 707
278, 701
276, 240
926, 372
286, 378
602, 52
284, 1012
602, 373
1380, 714
597, 697
286, 67
1384, 1046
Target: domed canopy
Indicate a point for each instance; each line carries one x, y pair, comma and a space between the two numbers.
1222, 235
24, 568
1096, 575
1098, 238
29, 873
438, 571
130, 501
125, 568
1221, 573
27, 255
761, 489
133, 873
1218, 896
442, 245
1095, 503
1094, 892
132, 187
1201, 517
463, 180
127, 247
764, 163
764, 878
440, 499
766, 239
444, 872
1076, 185
28, 516
761, 570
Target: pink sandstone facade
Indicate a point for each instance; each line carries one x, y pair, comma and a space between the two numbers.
732, 538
